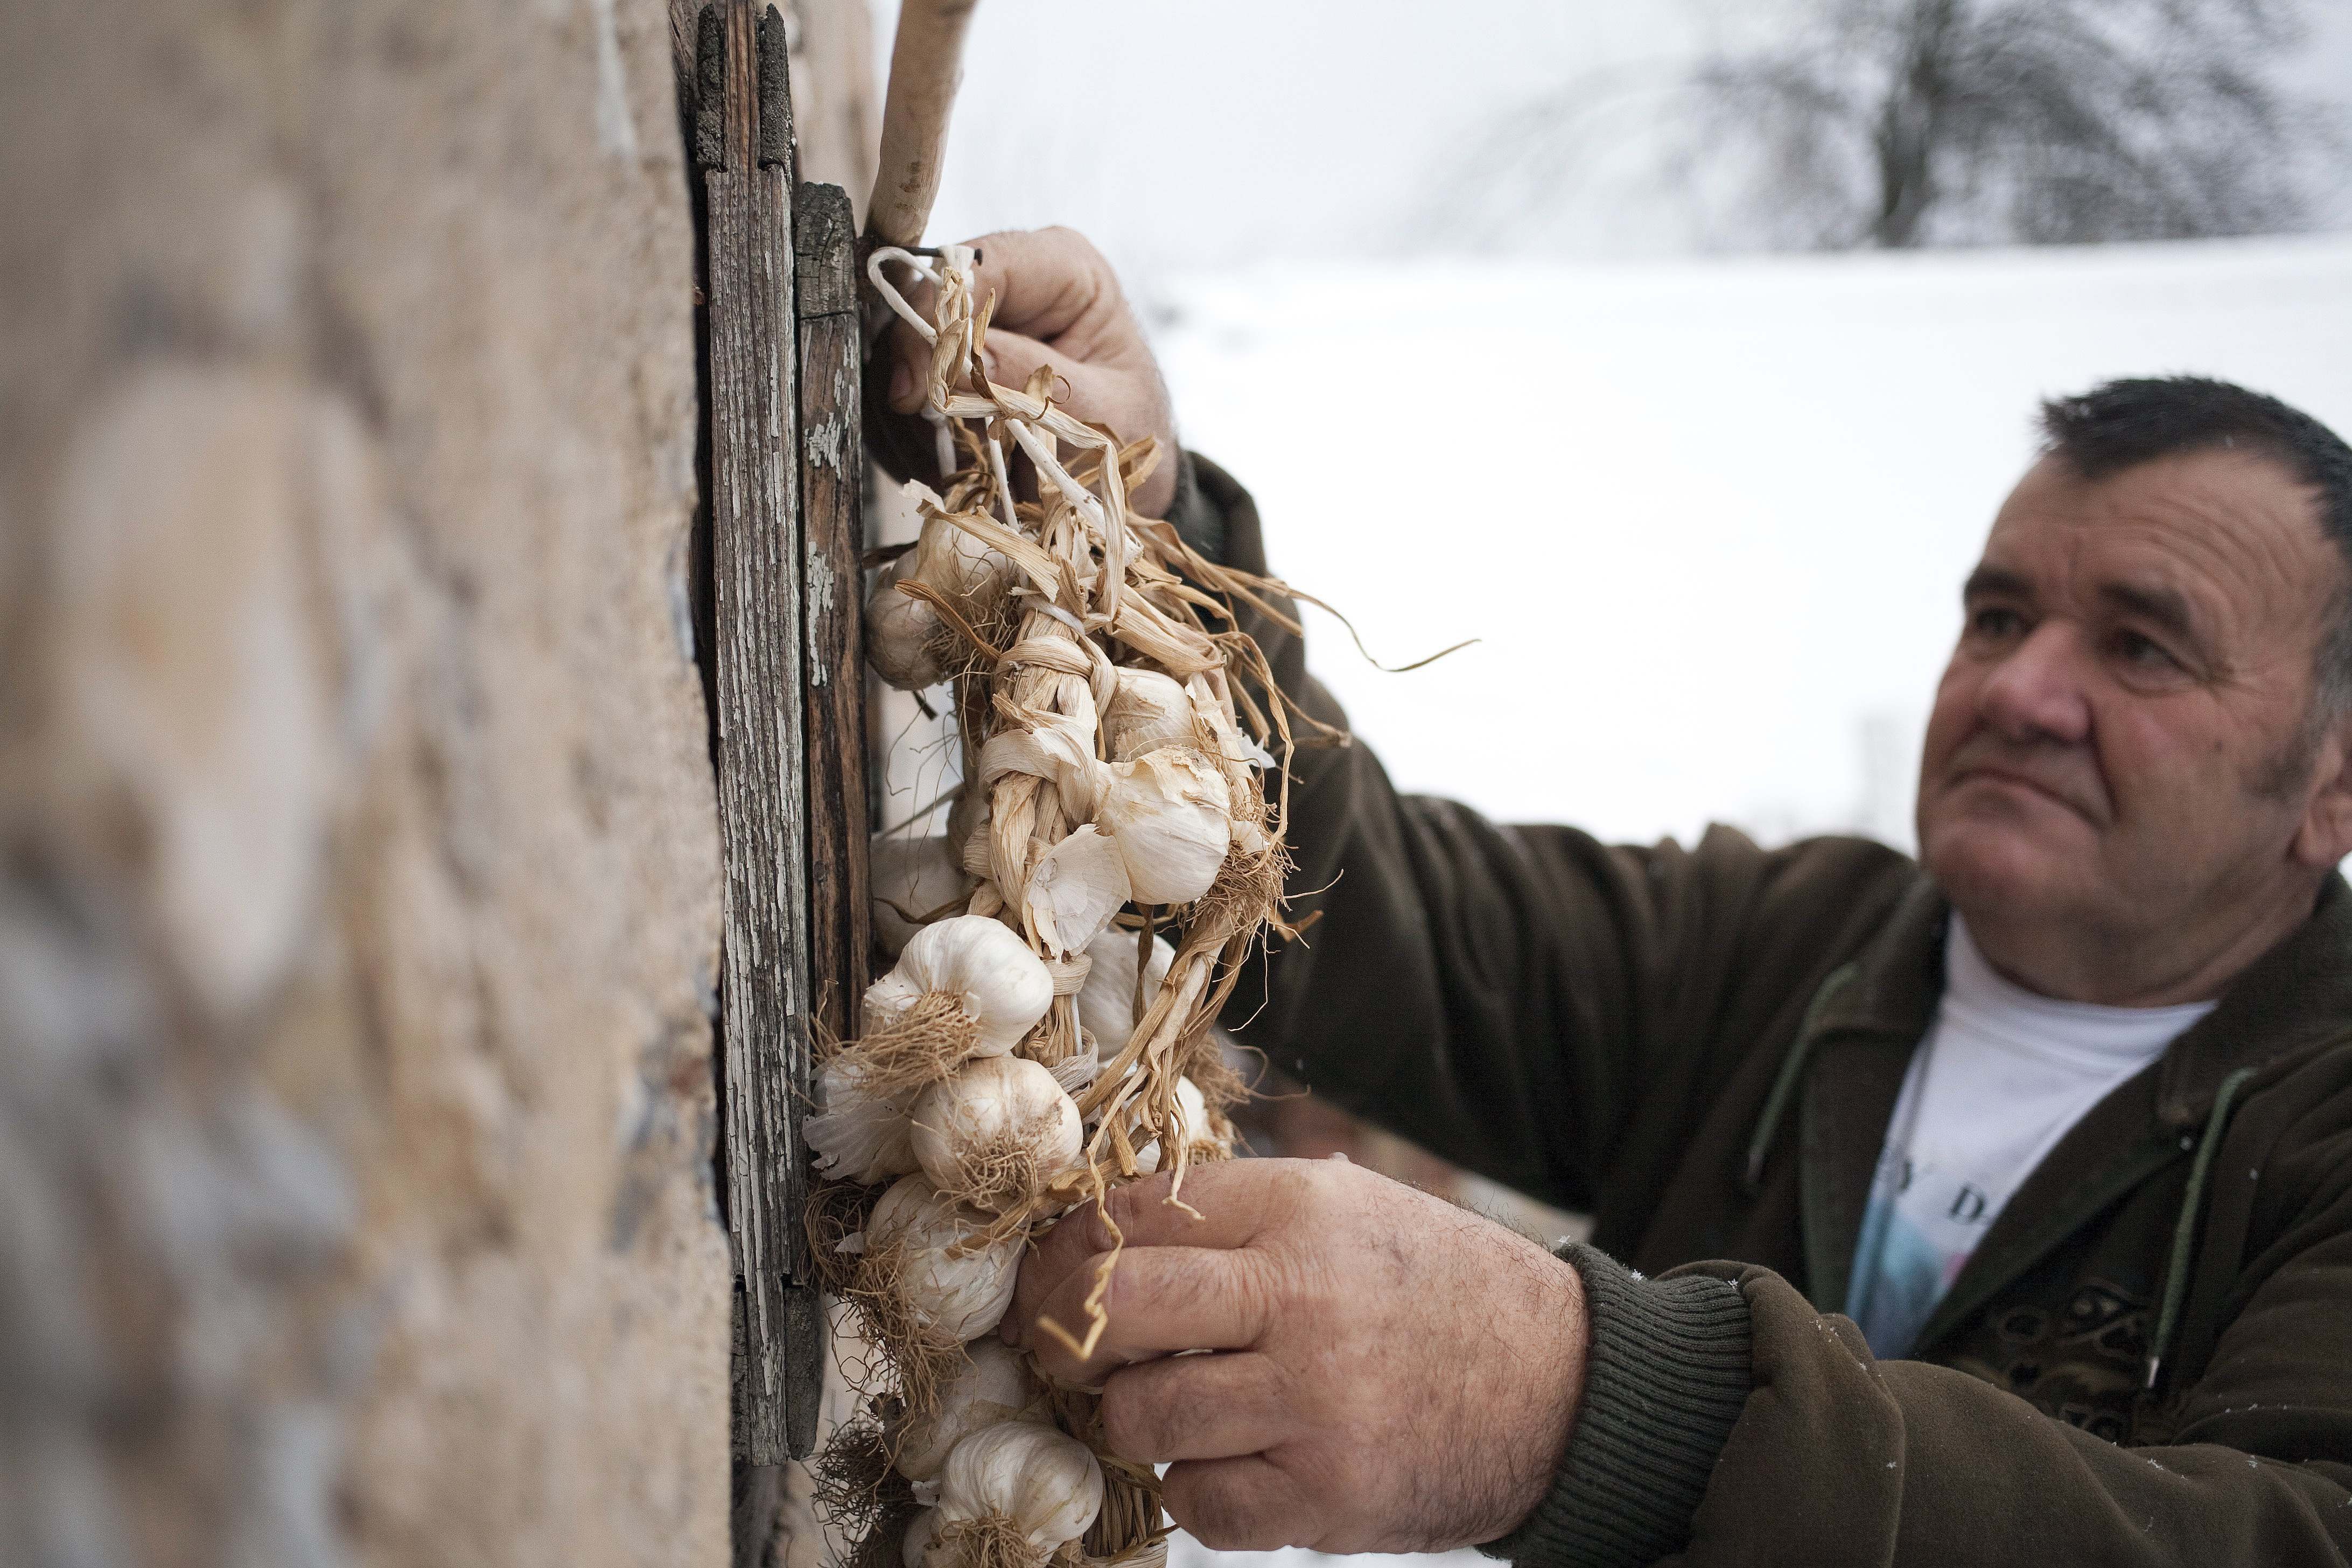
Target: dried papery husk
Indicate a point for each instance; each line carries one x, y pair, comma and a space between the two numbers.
1147, 711
1014, 1494
1075, 890
1058, 749
995, 1131
1240, 758
911, 883
906, 641
965, 986
995, 1386
968, 818
1169, 812
859, 1136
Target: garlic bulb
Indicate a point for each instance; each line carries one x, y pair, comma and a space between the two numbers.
1147, 710
981, 967
994, 1385
957, 1282
1169, 811
911, 879
1077, 887
1043, 1484
904, 639
860, 1136
1107, 996
995, 1131
914, 1547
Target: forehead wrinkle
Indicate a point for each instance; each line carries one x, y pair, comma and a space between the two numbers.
2243, 554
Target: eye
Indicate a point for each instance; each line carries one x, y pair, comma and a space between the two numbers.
1995, 622
2142, 652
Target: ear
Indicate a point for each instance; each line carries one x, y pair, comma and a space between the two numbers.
2324, 835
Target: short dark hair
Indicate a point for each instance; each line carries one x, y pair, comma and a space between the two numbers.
2122, 424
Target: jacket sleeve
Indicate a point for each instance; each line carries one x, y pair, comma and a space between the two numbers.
1837, 1457
1513, 998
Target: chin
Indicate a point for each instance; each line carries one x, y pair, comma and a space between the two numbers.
1987, 867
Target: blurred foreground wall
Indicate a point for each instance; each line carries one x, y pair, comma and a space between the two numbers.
359, 882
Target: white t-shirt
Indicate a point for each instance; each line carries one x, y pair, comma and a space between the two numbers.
2000, 1077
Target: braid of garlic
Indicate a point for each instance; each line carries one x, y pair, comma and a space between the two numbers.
1031, 1047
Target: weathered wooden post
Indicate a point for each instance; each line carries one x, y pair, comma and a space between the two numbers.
786, 467
832, 465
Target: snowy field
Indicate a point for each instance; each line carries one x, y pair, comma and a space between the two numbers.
1710, 518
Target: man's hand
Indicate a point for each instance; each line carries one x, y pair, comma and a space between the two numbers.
1059, 304
1390, 1373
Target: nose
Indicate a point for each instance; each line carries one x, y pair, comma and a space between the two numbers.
2036, 691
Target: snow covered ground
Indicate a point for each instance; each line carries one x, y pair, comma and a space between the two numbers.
1710, 518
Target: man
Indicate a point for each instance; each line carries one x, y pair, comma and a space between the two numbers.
2025, 1170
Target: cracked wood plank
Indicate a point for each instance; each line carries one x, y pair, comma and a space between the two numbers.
743, 141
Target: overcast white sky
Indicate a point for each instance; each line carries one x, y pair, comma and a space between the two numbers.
1191, 134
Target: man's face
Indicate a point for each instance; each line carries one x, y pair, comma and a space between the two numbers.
2121, 742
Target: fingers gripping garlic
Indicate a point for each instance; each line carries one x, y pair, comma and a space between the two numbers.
1169, 811
954, 1279
911, 878
905, 640
993, 1386
979, 966
995, 1131
1033, 1483
860, 1136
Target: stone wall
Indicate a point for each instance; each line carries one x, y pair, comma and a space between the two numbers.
358, 883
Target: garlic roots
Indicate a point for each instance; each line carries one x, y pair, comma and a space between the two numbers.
965, 986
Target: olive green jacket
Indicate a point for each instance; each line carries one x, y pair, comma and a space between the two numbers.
2148, 1360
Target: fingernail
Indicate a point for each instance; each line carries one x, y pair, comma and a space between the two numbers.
902, 381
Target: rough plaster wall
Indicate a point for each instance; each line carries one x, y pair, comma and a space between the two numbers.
358, 893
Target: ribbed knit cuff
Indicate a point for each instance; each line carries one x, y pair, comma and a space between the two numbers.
1664, 1379
1200, 522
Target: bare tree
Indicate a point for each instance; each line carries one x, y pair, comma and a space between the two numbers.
1897, 124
